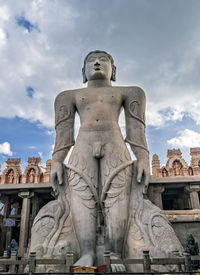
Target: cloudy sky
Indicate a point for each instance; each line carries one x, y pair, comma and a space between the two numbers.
155, 45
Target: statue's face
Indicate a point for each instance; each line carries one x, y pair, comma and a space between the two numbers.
98, 66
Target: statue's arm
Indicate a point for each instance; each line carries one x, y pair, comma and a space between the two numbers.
134, 107
64, 125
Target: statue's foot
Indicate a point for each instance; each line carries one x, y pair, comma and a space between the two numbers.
118, 268
87, 259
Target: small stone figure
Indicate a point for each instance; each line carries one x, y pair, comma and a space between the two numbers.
190, 171
11, 177
193, 248
32, 176
177, 168
13, 246
164, 173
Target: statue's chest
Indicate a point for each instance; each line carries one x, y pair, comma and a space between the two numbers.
98, 98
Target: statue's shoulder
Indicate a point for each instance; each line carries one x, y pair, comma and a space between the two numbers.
65, 96
134, 92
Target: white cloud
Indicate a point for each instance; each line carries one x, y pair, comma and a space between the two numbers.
40, 154
49, 58
5, 149
2, 37
32, 147
153, 117
4, 13
173, 88
187, 138
40, 57
50, 132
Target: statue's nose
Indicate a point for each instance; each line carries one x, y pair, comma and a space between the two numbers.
97, 63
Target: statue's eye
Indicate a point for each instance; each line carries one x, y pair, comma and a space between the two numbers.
103, 59
91, 59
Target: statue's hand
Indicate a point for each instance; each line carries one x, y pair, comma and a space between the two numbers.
143, 172
57, 171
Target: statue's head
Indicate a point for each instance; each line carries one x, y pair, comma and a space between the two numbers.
99, 65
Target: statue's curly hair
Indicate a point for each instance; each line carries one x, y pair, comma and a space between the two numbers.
113, 76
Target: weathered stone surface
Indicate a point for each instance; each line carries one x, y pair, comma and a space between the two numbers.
100, 201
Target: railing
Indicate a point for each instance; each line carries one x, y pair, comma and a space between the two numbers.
147, 262
17, 266
13, 265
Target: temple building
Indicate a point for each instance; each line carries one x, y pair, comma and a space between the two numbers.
22, 194
175, 188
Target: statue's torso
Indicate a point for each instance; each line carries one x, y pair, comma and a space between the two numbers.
99, 108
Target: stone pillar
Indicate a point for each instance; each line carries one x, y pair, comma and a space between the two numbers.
35, 209
194, 196
158, 190
24, 225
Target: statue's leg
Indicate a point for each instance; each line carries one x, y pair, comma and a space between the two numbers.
116, 173
82, 181
116, 215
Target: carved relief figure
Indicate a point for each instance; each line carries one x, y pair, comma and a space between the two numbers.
199, 164
190, 171
11, 176
100, 191
164, 172
31, 176
177, 166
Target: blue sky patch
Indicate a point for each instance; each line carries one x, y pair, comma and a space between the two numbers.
26, 138
23, 22
157, 138
30, 91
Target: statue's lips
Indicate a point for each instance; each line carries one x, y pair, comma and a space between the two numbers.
97, 69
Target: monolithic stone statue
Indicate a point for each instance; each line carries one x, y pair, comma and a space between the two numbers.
101, 193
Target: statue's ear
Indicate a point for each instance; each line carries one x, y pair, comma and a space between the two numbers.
84, 76
113, 76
